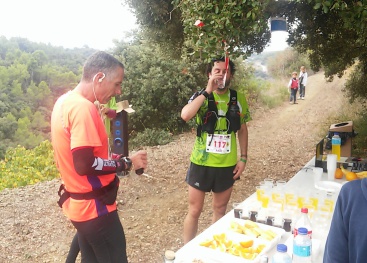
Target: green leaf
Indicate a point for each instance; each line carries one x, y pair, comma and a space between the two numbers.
317, 6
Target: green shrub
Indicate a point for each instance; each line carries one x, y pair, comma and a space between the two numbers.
150, 137
22, 167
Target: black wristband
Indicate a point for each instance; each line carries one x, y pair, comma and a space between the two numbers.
206, 94
123, 164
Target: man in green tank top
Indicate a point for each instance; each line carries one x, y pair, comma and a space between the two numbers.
215, 164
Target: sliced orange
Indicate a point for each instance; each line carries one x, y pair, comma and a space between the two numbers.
260, 248
206, 243
247, 243
220, 237
228, 243
250, 256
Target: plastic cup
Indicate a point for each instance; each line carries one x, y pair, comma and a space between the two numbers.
280, 183
259, 192
237, 209
331, 166
265, 201
269, 182
317, 174
331, 174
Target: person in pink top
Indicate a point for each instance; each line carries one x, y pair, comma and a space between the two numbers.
293, 87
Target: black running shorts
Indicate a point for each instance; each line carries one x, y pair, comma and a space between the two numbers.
206, 179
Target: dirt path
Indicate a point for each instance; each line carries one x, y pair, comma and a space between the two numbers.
281, 141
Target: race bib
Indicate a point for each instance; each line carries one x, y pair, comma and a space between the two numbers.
218, 143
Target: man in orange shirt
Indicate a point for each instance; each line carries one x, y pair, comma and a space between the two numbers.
80, 143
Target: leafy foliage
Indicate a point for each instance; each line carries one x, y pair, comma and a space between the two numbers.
283, 64
151, 137
161, 23
157, 86
23, 167
333, 33
240, 27
32, 76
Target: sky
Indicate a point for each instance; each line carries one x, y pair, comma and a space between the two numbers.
67, 23
277, 41
75, 23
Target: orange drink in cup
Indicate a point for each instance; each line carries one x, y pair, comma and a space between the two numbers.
265, 201
259, 193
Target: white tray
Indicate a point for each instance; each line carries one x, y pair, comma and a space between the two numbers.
328, 186
209, 255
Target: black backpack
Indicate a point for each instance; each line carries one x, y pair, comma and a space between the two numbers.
210, 118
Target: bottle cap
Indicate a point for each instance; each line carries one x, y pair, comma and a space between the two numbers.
304, 210
282, 248
302, 231
169, 254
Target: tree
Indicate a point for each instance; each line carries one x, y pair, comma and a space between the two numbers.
156, 85
240, 27
334, 35
331, 32
161, 23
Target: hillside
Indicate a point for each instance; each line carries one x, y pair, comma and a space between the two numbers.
152, 209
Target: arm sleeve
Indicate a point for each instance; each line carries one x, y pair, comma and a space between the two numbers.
85, 163
337, 241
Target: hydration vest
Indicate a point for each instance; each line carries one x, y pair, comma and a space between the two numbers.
210, 118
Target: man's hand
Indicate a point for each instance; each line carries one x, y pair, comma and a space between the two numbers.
238, 170
140, 161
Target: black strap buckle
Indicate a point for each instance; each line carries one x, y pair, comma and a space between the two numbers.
63, 196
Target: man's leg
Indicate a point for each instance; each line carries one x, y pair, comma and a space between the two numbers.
196, 202
74, 250
102, 239
220, 201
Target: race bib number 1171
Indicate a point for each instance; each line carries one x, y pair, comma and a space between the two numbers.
218, 143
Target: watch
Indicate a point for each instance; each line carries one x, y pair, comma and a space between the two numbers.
128, 163
206, 94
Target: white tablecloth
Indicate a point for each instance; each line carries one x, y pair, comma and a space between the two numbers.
302, 181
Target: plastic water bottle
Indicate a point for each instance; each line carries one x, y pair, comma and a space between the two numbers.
336, 142
281, 256
169, 256
302, 247
303, 221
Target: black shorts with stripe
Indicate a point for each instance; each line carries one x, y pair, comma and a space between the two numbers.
206, 179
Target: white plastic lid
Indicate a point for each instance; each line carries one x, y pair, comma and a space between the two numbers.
169, 254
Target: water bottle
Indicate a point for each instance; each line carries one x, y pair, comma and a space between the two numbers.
169, 256
281, 256
302, 247
336, 142
303, 221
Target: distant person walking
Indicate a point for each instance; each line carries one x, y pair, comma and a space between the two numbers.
302, 82
293, 87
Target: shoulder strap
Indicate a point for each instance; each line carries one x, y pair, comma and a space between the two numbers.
233, 96
212, 105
